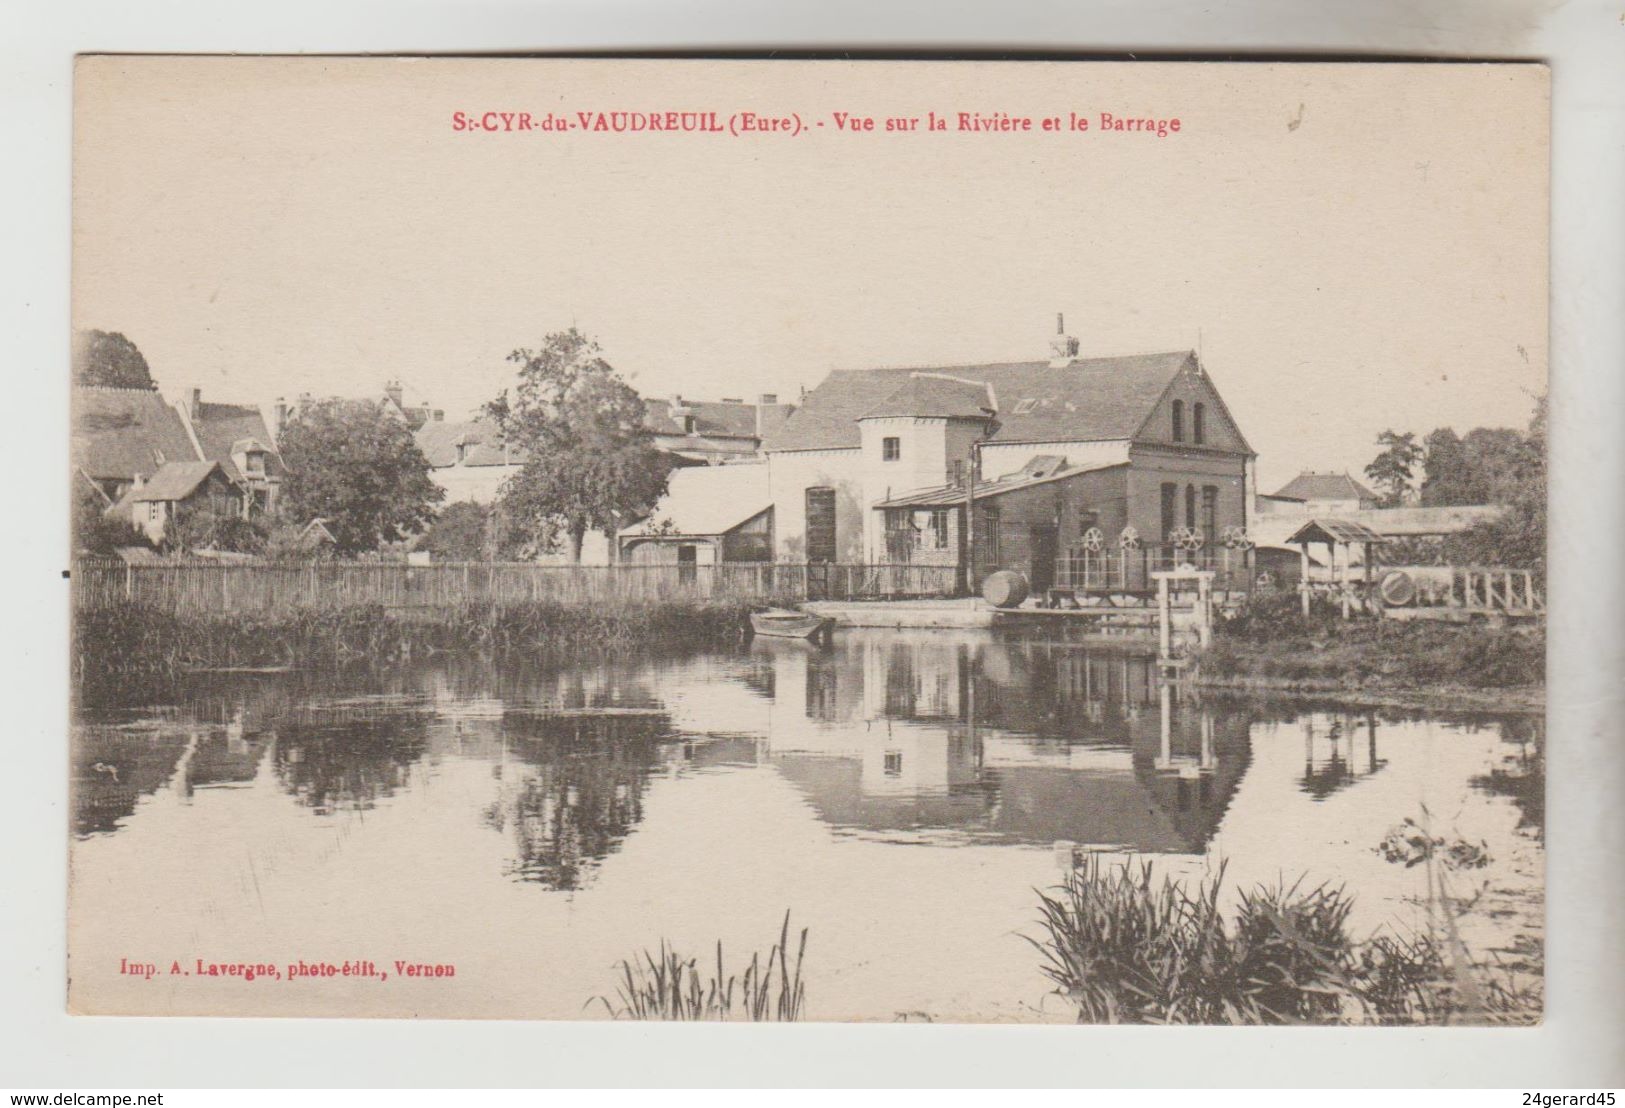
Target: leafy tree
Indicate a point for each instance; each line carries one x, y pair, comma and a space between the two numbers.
203, 528
1393, 470
463, 532
1516, 476
590, 463
96, 532
357, 467
111, 360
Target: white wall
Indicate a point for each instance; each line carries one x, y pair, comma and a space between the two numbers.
476, 483
790, 474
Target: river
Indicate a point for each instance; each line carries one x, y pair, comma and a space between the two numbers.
902, 795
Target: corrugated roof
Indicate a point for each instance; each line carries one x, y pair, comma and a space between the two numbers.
708, 500
930, 396
174, 481
1086, 400
946, 496
118, 433
1334, 530
1324, 486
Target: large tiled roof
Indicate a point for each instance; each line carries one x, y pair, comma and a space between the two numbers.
930, 395
1324, 486
118, 433
480, 438
711, 417
220, 427
1086, 400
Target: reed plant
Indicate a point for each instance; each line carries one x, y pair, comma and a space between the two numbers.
1126, 947
670, 986
123, 639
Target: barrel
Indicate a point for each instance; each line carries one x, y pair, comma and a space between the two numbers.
1004, 589
1396, 588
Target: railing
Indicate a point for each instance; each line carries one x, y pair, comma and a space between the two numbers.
1129, 571
270, 587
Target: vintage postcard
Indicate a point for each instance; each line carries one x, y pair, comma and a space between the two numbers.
809, 540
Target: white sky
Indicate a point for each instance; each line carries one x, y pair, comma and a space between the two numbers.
267, 228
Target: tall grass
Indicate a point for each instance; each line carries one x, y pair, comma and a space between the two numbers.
669, 986
1125, 947
125, 639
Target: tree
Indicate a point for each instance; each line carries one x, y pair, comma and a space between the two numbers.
357, 467
110, 360
589, 461
96, 532
463, 532
201, 527
1393, 470
1515, 473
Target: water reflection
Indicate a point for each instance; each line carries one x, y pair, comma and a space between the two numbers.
1338, 752
1032, 743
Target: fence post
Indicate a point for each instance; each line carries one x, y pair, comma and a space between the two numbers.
129, 581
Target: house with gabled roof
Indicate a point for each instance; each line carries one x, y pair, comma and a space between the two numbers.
151, 503
1139, 445
1314, 493
121, 436
236, 436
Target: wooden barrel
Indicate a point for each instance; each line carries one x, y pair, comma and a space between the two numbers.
1396, 588
1004, 589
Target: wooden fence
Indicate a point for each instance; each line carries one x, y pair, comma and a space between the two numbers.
268, 587
1116, 571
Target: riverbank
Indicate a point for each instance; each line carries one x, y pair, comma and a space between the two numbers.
121, 641
1381, 663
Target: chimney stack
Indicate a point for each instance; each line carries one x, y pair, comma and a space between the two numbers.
194, 403
1063, 347
393, 390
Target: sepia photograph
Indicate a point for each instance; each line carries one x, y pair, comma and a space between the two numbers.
827, 541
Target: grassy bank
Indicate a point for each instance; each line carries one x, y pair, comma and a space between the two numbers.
125, 640
1271, 647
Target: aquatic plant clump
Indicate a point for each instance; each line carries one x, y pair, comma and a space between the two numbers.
670, 986
1127, 948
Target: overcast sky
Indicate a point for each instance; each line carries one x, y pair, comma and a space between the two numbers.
1353, 247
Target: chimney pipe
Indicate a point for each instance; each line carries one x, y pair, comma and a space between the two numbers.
194, 406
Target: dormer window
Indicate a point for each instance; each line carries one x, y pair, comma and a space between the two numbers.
462, 452
1179, 421
688, 425
254, 463
1199, 423
891, 448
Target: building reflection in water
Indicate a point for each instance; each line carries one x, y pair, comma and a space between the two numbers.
1338, 751
1001, 741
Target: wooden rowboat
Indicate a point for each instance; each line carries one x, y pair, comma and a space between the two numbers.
783, 623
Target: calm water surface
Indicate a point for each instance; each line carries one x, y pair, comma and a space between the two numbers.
901, 795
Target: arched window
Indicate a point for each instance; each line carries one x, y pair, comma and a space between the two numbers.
1190, 505
1179, 421
1198, 423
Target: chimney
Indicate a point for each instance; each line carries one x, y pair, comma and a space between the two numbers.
768, 414
279, 417
194, 402
1063, 347
393, 390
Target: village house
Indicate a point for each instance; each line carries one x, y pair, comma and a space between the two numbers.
121, 436
151, 503
1318, 494
873, 466
236, 436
